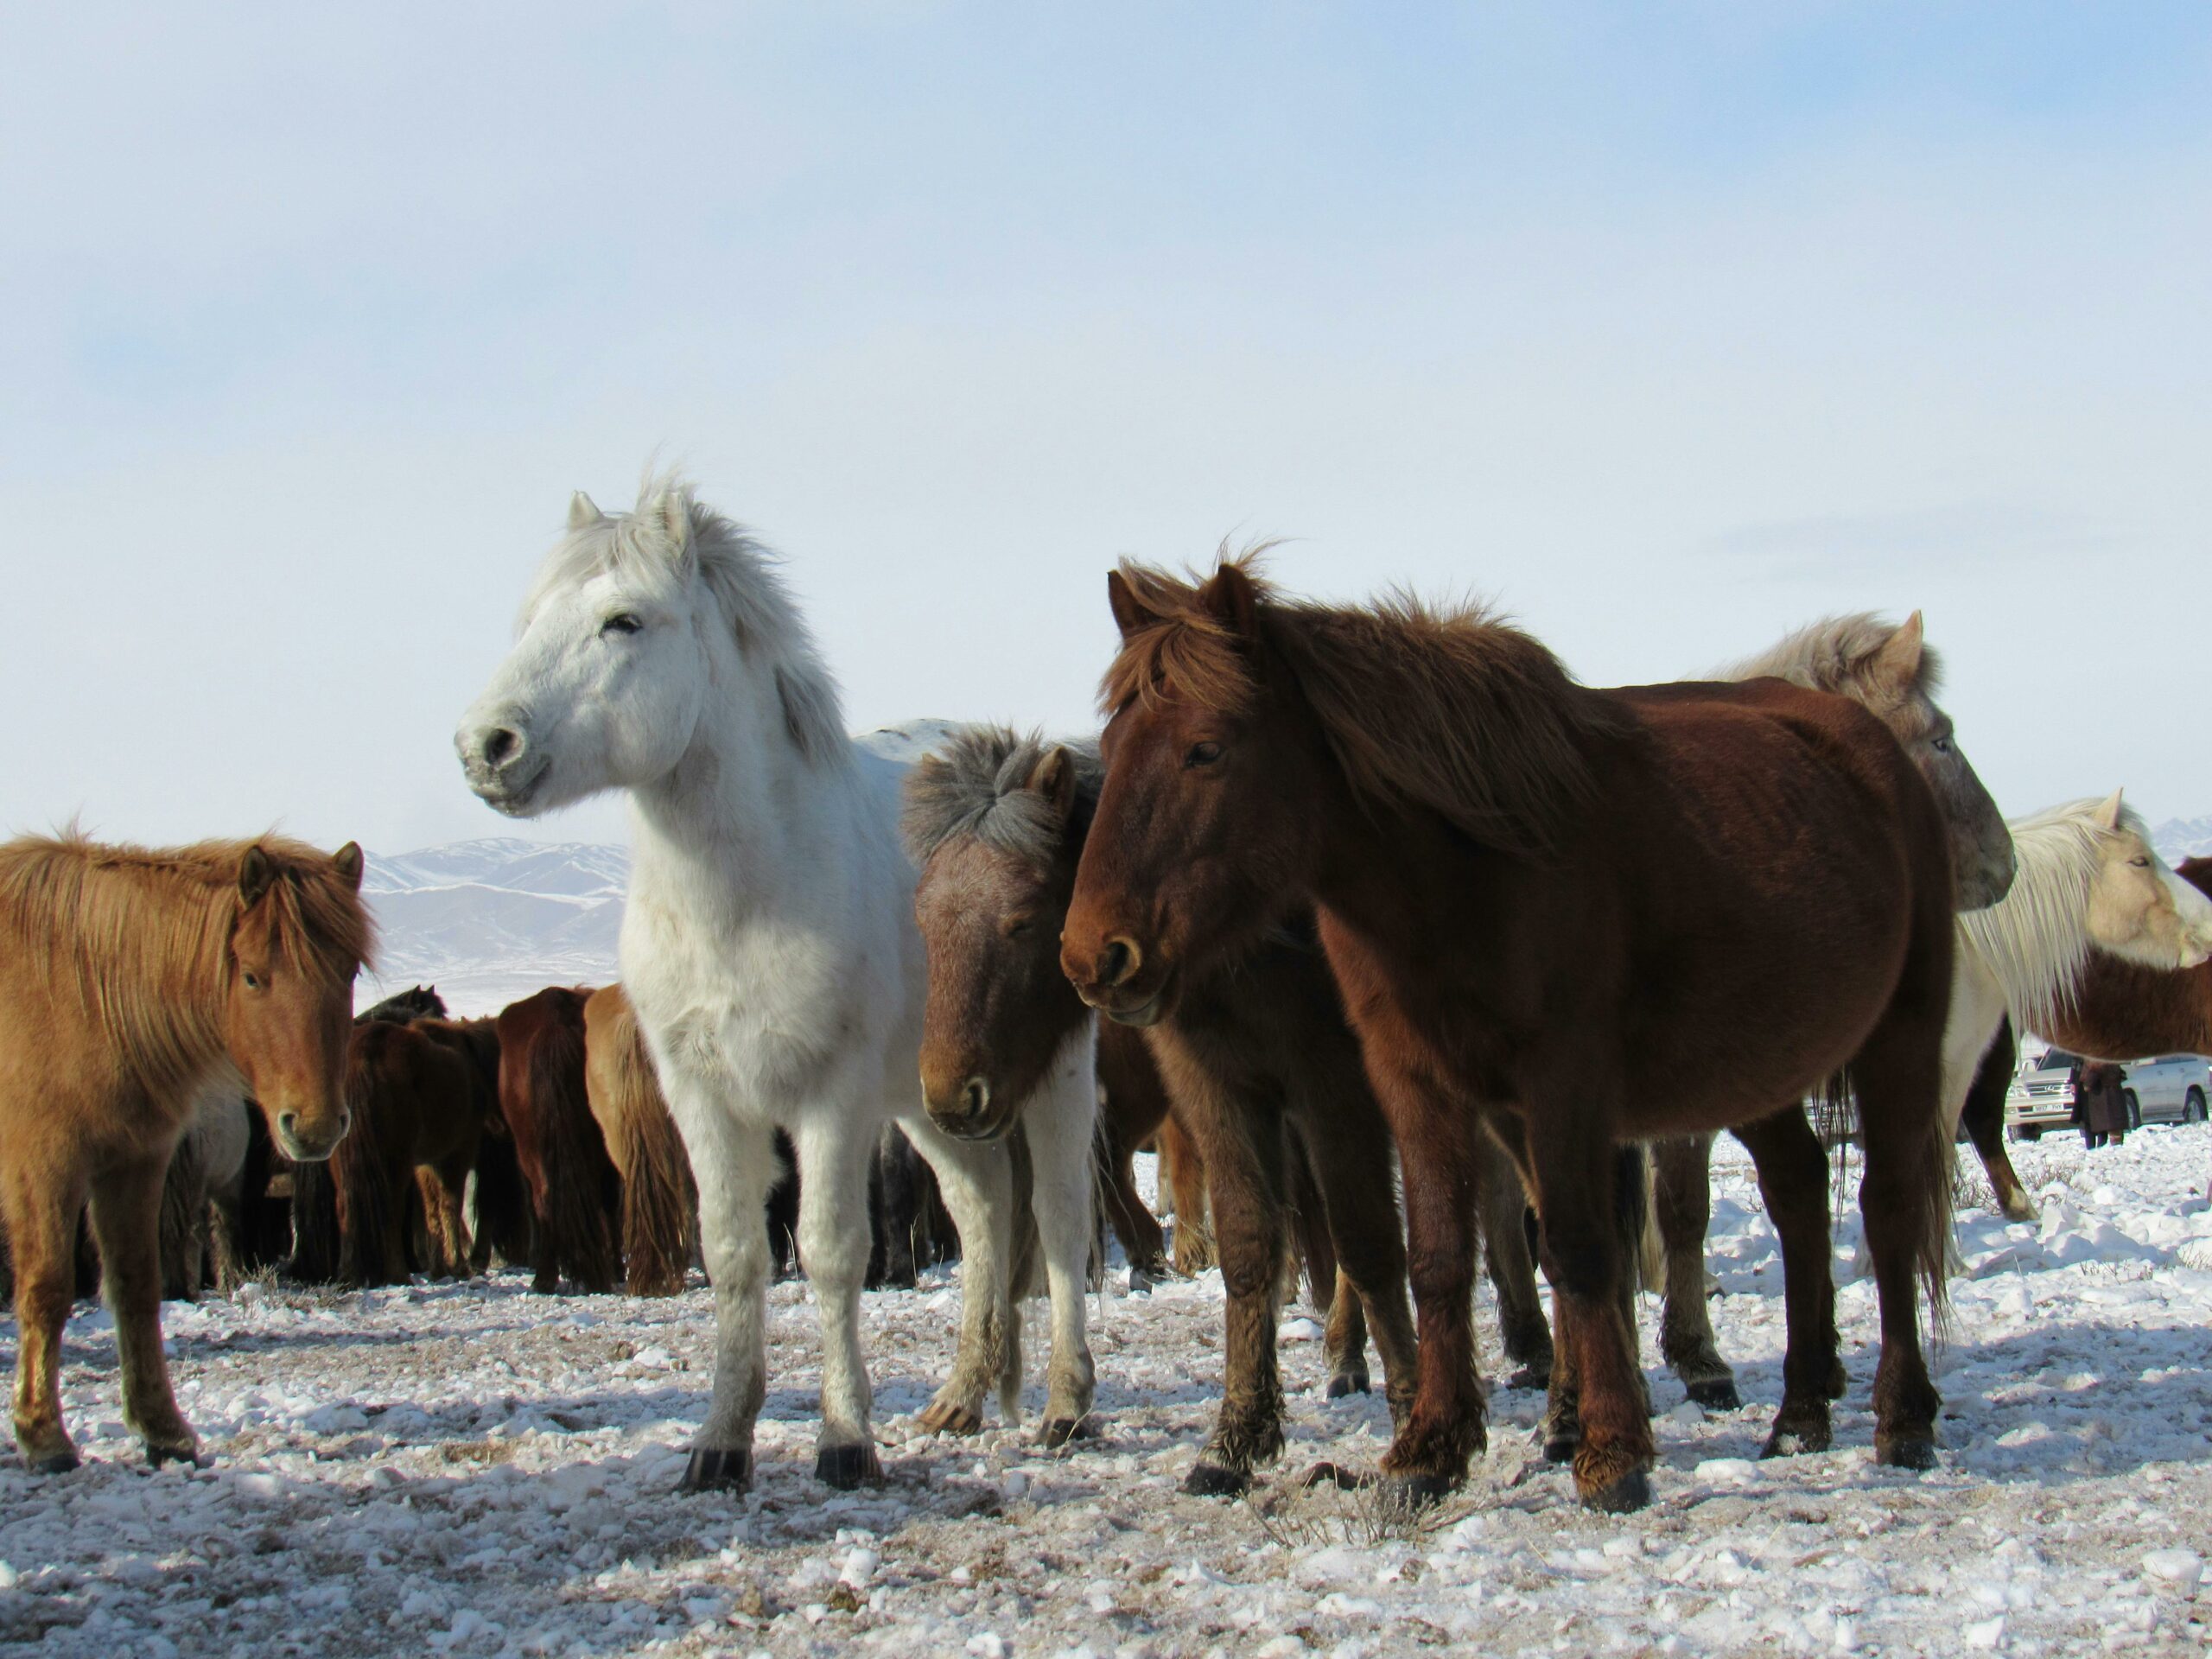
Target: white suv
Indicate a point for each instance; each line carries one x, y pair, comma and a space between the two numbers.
2042, 1095
2171, 1089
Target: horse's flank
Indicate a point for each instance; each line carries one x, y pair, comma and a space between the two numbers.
133, 943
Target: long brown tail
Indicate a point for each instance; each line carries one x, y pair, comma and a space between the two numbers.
660, 1200
582, 1194
366, 1206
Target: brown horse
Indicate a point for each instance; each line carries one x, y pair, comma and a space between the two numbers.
1254, 1052
130, 979
1133, 1107
1576, 917
660, 1201
576, 1195
423, 1095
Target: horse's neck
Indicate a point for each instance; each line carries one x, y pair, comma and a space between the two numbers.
2035, 941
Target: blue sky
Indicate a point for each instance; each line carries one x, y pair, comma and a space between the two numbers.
1669, 326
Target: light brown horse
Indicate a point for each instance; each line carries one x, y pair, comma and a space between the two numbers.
1572, 917
129, 980
660, 1201
575, 1194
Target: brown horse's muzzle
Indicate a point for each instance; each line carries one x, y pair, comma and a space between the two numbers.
308, 1138
1119, 980
961, 1101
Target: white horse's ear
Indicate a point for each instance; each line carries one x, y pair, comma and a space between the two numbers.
673, 509
1898, 660
2108, 814
583, 511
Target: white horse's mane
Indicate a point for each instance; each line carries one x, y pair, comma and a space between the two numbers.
2036, 939
662, 541
1831, 654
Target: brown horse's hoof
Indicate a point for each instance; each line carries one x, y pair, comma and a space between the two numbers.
1561, 1444
1839, 1381
55, 1463
1059, 1431
1798, 1434
1335, 1474
1625, 1495
944, 1418
1717, 1394
847, 1466
1913, 1452
1215, 1480
714, 1469
188, 1455
1414, 1493
1348, 1383
1531, 1375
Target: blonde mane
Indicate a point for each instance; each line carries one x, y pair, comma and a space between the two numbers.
141, 937
1834, 654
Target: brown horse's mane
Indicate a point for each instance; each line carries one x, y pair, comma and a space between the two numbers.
1447, 708
144, 935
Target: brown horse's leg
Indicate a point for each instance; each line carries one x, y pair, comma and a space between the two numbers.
1794, 1181
126, 1215
1983, 1117
1183, 1171
1576, 1176
1143, 1240
1904, 1197
1351, 1164
43, 1234
1244, 1153
1524, 1330
1684, 1190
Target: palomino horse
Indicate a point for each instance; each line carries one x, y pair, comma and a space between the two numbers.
999, 823
660, 1201
768, 945
131, 980
1577, 917
423, 1095
1890, 670
576, 1197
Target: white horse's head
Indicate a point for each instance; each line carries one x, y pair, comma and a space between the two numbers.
637, 623
2138, 908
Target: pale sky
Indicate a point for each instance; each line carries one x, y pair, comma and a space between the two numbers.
1669, 327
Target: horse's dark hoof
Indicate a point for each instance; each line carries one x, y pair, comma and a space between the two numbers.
1335, 1474
717, 1469
1560, 1445
1415, 1492
847, 1466
1059, 1431
55, 1463
1538, 1377
1215, 1480
1346, 1383
1915, 1453
1800, 1437
187, 1455
1623, 1495
1717, 1394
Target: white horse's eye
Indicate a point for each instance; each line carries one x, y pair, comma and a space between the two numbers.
620, 622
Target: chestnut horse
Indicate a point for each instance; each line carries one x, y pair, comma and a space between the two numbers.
131, 980
576, 1195
423, 1095
1576, 917
1257, 1051
660, 1201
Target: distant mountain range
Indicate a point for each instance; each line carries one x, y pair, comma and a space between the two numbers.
490, 921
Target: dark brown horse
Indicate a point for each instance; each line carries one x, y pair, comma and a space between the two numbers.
1133, 1109
576, 1197
423, 1094
1254, 1052
130, 980
1575, 917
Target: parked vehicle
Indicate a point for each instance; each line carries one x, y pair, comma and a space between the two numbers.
2168, 1089
2042, 1095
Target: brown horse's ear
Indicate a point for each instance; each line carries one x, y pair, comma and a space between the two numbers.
256, 872
2109, 813
1232, 599
1053, 776
349, 863
1128, 614
583, 511
1897, 663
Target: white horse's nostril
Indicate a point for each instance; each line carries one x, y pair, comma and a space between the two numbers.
501, 746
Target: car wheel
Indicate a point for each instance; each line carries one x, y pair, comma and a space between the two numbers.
2192, 1110
2134, 1110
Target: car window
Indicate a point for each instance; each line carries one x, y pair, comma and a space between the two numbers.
2055, 1060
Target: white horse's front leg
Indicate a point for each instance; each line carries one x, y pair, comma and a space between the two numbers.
977, 1185
833, 1241
1061, 1122
735, 1163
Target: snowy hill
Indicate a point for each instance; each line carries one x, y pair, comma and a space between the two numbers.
489, 921
2179, 838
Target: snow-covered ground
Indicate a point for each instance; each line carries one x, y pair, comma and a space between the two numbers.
477, 1471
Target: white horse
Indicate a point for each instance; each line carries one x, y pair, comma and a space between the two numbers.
769, 948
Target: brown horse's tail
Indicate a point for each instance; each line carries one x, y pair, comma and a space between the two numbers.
316, 1233
1309, 1219
183, 1227
581, 1191
367, 1208
660, 1201
1934, 1169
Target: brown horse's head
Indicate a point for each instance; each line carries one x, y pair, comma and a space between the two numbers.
1205, 832
995, 822
299, 936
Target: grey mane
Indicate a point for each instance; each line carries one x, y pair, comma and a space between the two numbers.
972, 787
1832, 654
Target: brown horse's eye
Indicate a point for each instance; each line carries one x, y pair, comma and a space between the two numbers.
252, 981
1202, 755
1020, 928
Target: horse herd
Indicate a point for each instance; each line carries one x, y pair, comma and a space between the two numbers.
1415, 952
